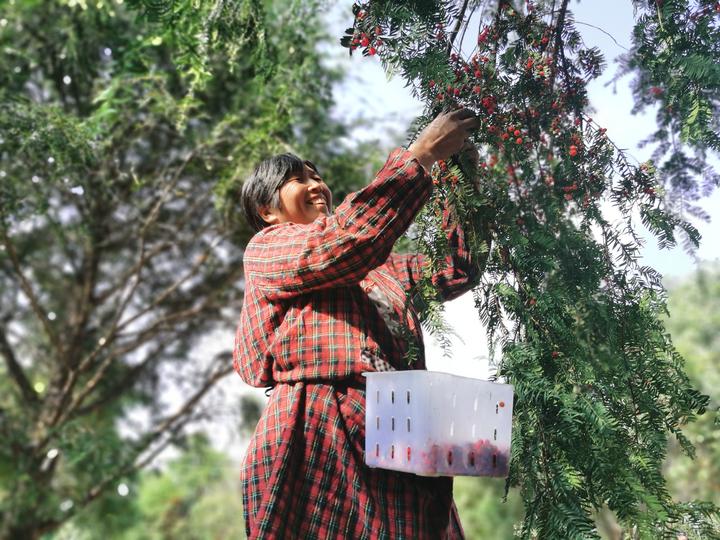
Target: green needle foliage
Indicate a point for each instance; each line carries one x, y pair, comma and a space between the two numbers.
577, 321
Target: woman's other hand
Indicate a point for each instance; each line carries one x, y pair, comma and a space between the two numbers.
444, 136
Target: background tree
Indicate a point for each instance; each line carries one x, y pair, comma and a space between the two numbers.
195, 496
694, 306
124, 133
599, 386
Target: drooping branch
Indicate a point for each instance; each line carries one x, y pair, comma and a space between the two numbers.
163, 295
78, 321
458, 23
170, 425
60, 410
150, 332
558, 47
128, 380
15, 369
27, 288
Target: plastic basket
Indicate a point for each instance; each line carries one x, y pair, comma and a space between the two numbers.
431, 423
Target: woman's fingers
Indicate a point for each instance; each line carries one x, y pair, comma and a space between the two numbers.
445, 135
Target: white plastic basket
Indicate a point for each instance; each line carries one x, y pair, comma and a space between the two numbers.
431, 423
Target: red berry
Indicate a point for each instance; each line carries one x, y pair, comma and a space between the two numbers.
573, 150
518, 140
364, 41
456, 91
371, 51
516, 132
476, 89
431, 83
555, 354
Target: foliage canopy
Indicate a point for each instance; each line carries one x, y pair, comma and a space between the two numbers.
577, 321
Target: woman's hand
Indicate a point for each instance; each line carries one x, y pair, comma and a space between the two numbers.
444, 136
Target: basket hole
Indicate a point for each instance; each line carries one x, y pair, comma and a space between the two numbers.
392, 396
392, 453
377, 422
408, 453
408, 424
407, 395
449, 458
495, 434
475, 404
377, 396
392, 423
473, 431
494, 460
471, 459
452, 428
454, 400
377, 450
497, 408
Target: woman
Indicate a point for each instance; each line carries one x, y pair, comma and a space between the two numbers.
324, 302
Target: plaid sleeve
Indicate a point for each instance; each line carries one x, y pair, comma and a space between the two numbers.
339, 250
460, 272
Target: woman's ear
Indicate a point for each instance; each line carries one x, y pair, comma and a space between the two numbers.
269, 215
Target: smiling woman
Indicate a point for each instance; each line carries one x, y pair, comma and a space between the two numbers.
302, 198
325, 301
282, 189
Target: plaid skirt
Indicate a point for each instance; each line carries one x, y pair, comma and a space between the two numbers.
304, 475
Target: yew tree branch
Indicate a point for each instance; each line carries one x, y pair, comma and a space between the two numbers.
172, 424
28, 290
558, 44
458, 23
15, 369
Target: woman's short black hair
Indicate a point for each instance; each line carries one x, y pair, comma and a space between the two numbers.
262, 187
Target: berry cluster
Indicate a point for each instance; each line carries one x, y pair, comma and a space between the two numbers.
478, 458
364, 33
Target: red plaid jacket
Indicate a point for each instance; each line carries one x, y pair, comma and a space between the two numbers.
309, 328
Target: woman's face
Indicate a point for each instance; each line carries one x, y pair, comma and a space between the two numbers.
302, 199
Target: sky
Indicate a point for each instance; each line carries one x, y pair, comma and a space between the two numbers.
368, 94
